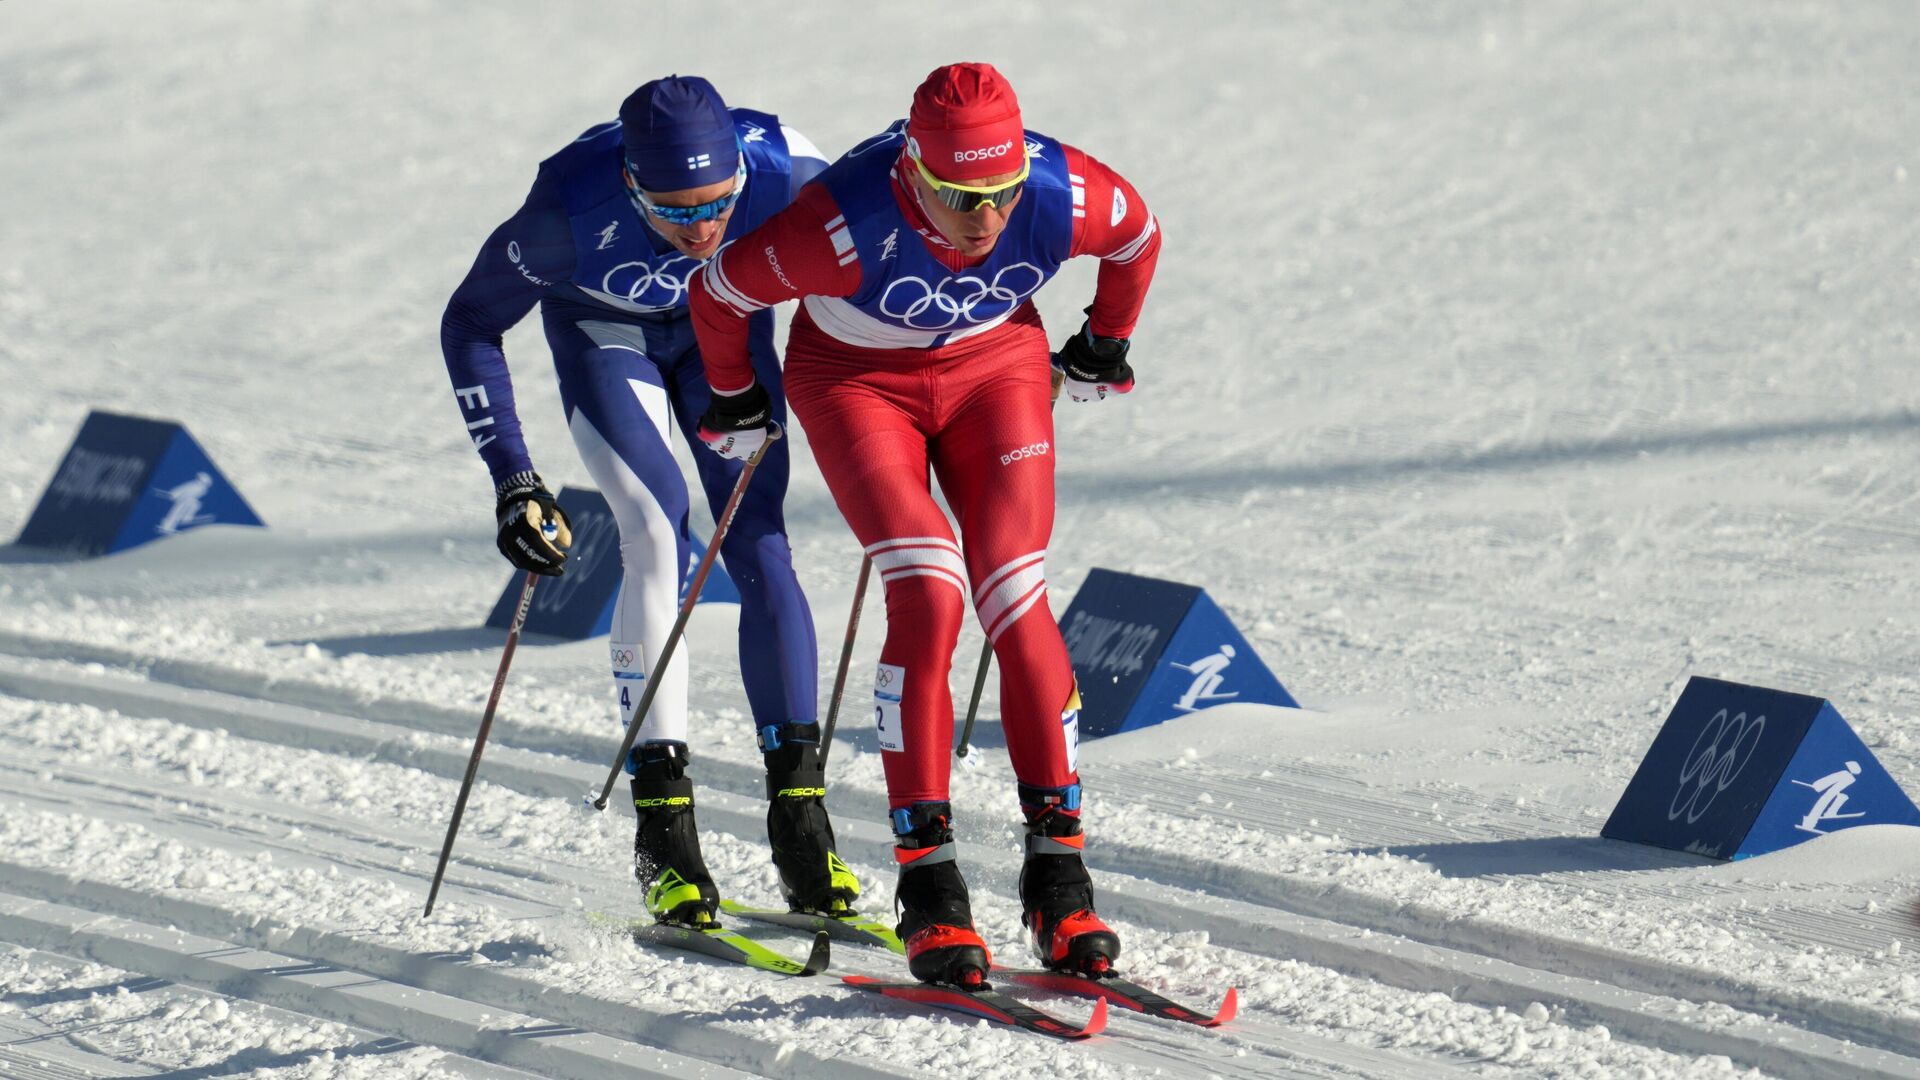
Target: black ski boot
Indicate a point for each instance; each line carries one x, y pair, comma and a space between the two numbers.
812, 877
666, 847
1056, 895
936, 920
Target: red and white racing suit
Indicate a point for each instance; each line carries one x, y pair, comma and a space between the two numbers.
977, 413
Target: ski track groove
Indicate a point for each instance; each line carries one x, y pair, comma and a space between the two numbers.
1780, 1047
698, 1045
1272, 1050
1151, 1044
36, 1049
335, 992
483, 871
1339, 800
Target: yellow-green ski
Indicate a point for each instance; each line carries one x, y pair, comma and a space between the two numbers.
851, 926
721, 943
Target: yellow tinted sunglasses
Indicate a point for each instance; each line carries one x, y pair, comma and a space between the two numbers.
967, 198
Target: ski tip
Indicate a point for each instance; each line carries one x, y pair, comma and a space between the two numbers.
1229, 1008
1097, 1022
820, 955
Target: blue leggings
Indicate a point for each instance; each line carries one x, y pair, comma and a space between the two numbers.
621, 379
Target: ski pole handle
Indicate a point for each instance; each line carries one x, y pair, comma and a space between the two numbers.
480, 740
686, 612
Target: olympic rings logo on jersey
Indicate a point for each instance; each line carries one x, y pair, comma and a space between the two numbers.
1711, 766
651, 285
959, 299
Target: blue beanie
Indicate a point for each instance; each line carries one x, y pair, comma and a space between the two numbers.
678, 134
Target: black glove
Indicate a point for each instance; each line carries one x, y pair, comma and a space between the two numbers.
534, 532
735, 425
1094, 366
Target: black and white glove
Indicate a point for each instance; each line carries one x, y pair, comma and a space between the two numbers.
534, 531
1094, 366
736, 426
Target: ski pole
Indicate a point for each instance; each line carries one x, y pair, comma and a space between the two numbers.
846, 656
480, 740
686, 612
973, 703
986, 649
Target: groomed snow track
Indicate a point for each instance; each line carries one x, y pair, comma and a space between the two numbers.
491, 1013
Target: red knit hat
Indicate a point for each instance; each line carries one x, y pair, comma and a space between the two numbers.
965, 123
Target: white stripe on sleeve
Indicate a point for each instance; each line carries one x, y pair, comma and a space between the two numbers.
1138, 245
715, 277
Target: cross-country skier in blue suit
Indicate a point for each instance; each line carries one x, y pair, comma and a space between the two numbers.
614, 226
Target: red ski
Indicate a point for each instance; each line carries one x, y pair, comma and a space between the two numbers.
987, 1002
1126, 994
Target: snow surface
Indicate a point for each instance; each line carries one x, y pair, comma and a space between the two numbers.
1507, 365
101, 1021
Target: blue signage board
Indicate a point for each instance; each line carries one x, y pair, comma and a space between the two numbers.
579, 603
1146, 650
1738, 771
127, 480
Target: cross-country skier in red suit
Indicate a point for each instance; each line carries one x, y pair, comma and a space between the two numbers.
917, 346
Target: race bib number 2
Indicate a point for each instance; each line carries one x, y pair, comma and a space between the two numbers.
1070, 729
889, 680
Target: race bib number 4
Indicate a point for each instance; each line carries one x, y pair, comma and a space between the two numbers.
889, 680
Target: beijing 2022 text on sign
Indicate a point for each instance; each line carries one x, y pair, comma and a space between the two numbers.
1146, 650
128, 480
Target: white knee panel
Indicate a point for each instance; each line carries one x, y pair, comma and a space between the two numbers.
650, 594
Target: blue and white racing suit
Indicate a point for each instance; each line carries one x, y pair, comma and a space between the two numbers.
613, 297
